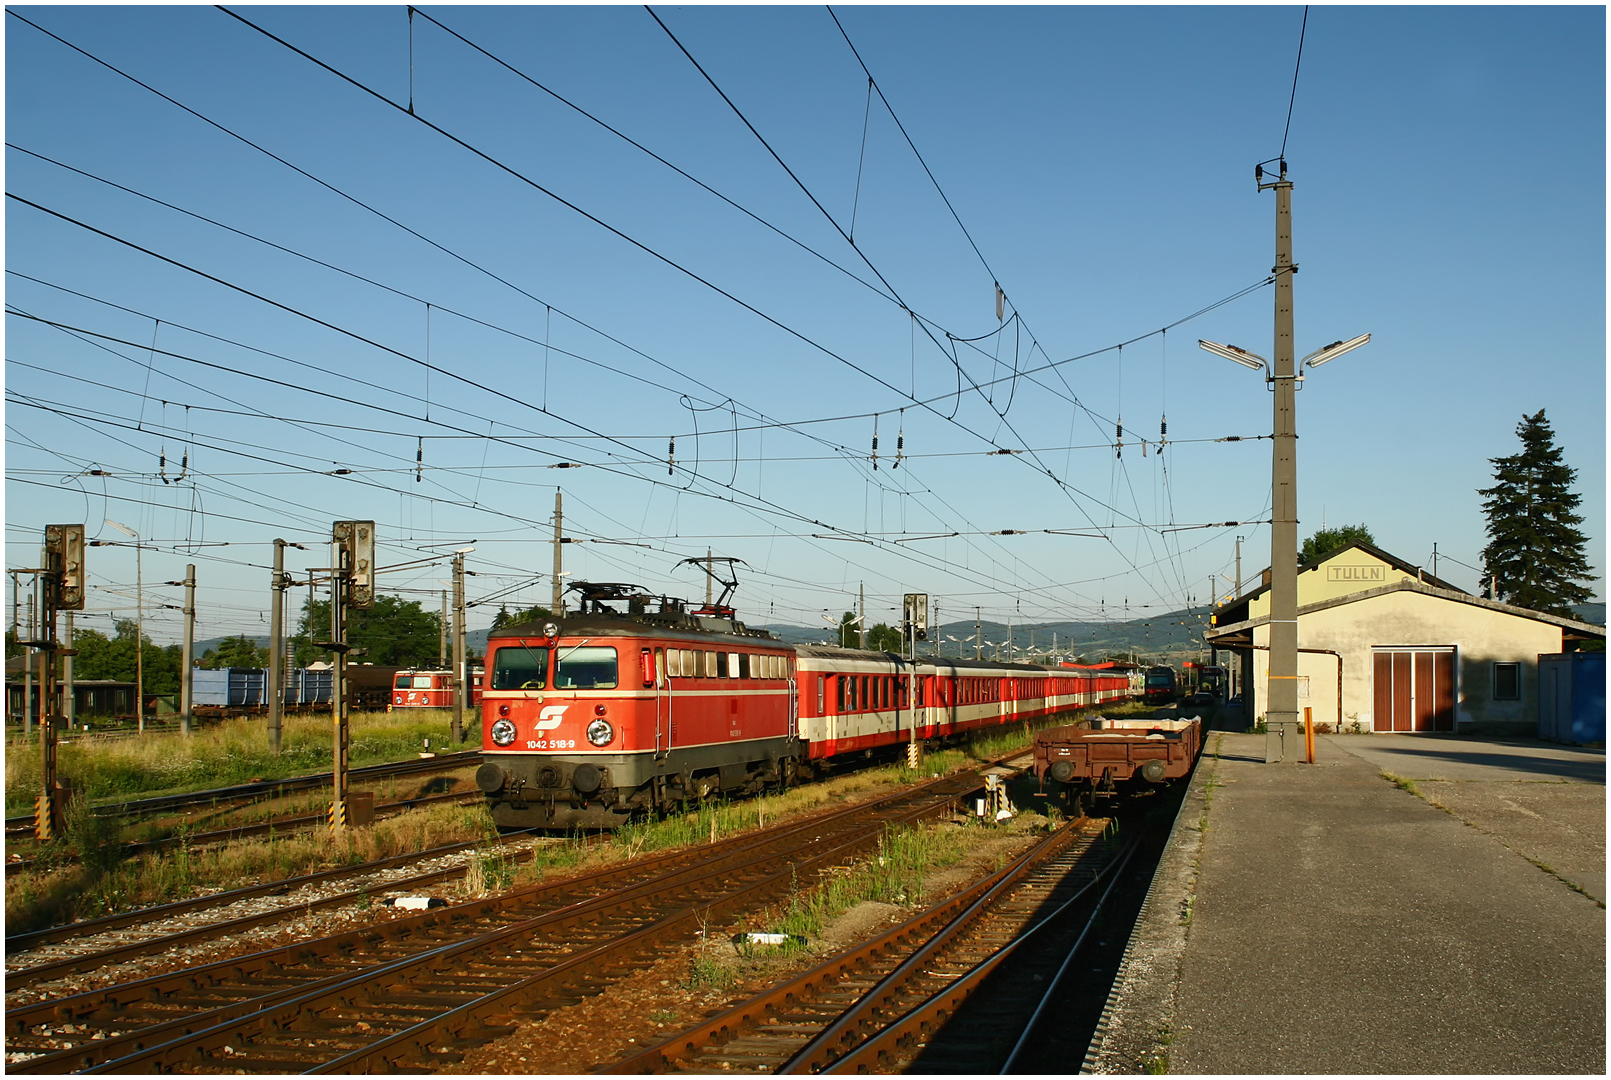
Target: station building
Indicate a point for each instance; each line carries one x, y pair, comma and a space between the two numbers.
1384, 646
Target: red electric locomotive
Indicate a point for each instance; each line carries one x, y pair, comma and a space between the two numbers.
593, 717
422, 688
597, 716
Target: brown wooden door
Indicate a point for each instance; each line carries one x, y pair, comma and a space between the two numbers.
1414, 690
1443, 691
1384, 692
1403, 691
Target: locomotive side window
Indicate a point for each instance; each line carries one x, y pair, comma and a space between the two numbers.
587, 667
741, 665
711, 671
721, 665
519, 667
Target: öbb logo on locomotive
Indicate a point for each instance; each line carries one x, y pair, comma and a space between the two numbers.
681, 704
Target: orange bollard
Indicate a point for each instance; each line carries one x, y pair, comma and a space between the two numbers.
1309, 733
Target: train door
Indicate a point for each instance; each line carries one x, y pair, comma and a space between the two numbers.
662, 702
794, 697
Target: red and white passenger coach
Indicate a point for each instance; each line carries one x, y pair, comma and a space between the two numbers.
589, 719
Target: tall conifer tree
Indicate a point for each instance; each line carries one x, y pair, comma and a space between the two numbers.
1535, 551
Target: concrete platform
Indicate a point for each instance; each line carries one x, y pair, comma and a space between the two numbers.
1446, 918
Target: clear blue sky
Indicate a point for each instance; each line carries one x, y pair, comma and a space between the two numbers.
1449, 170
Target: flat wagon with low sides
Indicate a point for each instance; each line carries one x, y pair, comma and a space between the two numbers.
1088, 761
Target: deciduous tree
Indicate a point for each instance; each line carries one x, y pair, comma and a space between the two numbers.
235, 652
1325, 541
505, 617
101, 657
394, 631
1535, 553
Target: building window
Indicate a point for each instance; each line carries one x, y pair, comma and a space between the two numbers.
1507, 682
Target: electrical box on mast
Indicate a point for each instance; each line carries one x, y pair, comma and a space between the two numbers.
355, 547
917, 614
64, 561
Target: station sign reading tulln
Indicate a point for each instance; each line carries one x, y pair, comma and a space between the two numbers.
1362, 574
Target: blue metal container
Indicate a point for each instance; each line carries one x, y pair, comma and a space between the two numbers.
310, 687
210, 687
224, 687
1571, 697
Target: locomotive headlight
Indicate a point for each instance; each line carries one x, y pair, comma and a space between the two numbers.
503, 732
599, 733
550, 630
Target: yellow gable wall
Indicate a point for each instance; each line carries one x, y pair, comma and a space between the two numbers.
1480, 636
1351, 572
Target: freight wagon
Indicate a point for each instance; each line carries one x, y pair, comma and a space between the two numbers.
1088, 761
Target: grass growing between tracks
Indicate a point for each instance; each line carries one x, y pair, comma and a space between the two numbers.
219, 753
893, 875
104, 883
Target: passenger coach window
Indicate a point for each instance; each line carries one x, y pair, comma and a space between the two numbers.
587, 667
519, 667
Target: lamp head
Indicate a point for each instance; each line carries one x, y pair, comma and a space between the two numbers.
1234, 353
1334, 350
122, 528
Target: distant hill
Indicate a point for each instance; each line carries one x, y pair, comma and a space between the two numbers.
1169, 637
1590, 613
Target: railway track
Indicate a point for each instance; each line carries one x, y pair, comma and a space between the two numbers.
266, 828
414, 992
262, 789
833, 1017
95, 944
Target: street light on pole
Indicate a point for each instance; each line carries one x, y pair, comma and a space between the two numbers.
1281, 712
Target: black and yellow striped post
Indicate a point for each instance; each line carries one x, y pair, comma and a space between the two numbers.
61, 588
352, 582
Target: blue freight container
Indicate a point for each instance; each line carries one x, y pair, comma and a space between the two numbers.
310, 687
1571, 697
210, 687
226, 687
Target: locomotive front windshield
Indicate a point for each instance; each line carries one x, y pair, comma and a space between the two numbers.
586, 667
519, 667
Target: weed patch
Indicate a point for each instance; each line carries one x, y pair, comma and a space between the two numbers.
217, 754
893, 875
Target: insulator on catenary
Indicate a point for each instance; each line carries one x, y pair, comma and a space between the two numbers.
419, 461
875, 444
1118, 446
671, 458
900, 447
